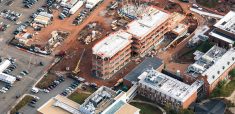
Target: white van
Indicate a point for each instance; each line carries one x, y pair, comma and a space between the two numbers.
35, 90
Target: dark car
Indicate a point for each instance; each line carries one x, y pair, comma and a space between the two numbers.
31, 105
33, 102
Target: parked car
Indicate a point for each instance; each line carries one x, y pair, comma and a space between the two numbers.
31, 105
2, 91
4, 88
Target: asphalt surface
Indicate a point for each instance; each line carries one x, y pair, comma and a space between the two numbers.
24, 60
44, 97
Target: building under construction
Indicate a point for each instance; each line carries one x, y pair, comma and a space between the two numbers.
141, 36
111, 54
148, 30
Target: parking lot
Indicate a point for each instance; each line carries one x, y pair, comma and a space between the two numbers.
26, 83
44, 97
24, 60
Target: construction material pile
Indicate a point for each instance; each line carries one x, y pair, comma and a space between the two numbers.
91, 33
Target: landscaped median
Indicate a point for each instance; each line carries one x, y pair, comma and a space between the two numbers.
21, 104
81, 95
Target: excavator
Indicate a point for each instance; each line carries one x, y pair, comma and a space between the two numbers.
77, 69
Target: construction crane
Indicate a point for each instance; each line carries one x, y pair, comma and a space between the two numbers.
77, 69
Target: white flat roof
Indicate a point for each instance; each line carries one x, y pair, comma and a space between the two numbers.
7, 78
4, 64
220, 66
150, 20
112, 44
221, 37
227, 23
167, 85
59, 105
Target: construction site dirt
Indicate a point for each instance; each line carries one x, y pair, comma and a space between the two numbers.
73, 47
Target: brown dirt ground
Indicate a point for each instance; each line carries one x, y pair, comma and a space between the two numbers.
74, 48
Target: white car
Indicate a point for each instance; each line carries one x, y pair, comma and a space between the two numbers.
195, 5
35, 97
4, 88
2, 91
22, 73
70, 88
200, 8
46, 91
35, 90
19, 76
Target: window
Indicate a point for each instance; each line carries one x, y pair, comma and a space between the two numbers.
223, 67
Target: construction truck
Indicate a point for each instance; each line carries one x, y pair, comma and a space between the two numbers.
77, 69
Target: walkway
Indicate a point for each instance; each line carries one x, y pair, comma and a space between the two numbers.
149, 103
206, 13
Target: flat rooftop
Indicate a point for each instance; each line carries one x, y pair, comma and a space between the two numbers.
98, 101
120, 107
150, 20
213, 63
7, 78
112, 44
220, 66
148, 63
4, 64
59, 105
225, 28
227, 23
205, 61
127, 109
167, 85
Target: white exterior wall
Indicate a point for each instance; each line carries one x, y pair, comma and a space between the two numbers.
76, 7
4, 65
92, 3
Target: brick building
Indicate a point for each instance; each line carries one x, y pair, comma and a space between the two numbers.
166, 90
111, 54
142, 35
211, 67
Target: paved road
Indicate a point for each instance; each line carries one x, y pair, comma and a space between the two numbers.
24, 60
44, 97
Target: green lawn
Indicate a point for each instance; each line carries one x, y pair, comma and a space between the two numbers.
78, 97
146, 109
208, 3
46, 81
224, 90
203, 47
21, 104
